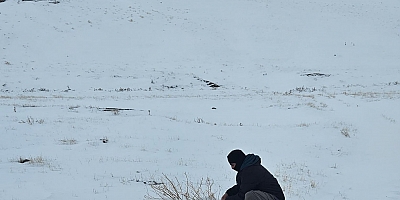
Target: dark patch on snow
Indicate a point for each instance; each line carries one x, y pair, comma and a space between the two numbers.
23, 160
114, 109
209, 83
316, 74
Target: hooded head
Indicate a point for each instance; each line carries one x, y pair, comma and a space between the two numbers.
236, 156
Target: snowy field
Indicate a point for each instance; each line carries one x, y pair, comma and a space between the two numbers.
312, 87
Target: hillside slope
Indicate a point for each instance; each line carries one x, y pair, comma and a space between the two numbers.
311, 87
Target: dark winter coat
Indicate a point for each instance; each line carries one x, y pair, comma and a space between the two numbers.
253, 176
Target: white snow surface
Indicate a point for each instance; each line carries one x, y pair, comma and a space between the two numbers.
312, 87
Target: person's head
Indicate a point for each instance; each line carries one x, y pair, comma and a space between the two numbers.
236, 158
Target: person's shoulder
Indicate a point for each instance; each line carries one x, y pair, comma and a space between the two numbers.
252, 168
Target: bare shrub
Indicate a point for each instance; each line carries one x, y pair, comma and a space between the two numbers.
175, 189
38, 160
199, 120
66, 141
31, 121
345, 131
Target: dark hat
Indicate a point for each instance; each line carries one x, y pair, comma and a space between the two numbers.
236, 156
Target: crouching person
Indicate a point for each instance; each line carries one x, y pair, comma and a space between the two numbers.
253, 181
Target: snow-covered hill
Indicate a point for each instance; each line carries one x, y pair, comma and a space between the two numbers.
313, 87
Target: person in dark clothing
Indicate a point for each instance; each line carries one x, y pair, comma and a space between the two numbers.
253, 181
